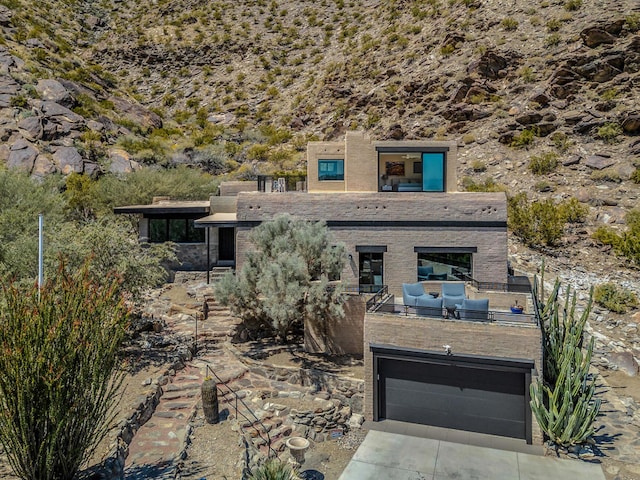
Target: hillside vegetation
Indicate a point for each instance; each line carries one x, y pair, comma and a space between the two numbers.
542, 98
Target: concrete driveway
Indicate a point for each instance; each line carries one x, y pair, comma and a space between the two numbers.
392, 456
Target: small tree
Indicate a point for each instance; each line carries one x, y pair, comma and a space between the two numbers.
563, 402
58, 358
286, 278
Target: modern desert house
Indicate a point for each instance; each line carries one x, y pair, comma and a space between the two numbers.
396, 207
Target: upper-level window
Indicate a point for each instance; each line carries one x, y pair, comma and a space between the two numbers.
179, 230
415, 170
330, 170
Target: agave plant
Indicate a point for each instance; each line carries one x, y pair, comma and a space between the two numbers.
274, 469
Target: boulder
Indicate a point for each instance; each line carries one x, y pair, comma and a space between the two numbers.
8, 85
5, 16
540, 97
529, 118
22, 154
68, 160
598, 162
489, 65
571, 160
631, 124
31, 127
42, 167
54, 91
136, 113
594, 36
624, 362
599, 71
120, 162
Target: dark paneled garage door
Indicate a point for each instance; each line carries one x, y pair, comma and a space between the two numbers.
464, 397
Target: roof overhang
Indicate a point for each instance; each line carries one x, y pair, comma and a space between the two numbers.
220, 219
166, 208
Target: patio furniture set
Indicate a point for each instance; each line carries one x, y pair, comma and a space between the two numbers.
452, 304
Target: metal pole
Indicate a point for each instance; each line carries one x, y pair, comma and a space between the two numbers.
40, 252
208, 254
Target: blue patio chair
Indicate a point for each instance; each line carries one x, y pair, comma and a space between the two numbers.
452, 294
429, 307
411, 292
473, 309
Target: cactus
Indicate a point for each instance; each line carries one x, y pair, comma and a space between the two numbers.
210, 400
563, 404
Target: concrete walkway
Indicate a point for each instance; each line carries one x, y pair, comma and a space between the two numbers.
394, 456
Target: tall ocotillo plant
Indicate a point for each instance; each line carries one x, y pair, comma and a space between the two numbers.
563, 403
59, 372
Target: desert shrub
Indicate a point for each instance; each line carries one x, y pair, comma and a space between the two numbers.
552, 40
488, 185
478, 166
524, 138
543, 164
509, 23
626, 243
573, 211
635, 176
527, 74
572, 5
609, 132
538, 222
606, 175
274, 469
447, 50
258, 152
60, 378
632, 22
553, 25
561, 141
614, 297
284, 279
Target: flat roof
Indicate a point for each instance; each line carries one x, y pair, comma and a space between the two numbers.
168, 206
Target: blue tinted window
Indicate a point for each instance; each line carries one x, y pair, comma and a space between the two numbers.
433, 172
330, 170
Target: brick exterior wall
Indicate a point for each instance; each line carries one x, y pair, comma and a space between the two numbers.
325, 151
472, 338
400, 260
338, 336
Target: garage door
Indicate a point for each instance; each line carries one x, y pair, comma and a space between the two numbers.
458, 395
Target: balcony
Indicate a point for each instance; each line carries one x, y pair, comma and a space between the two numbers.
282, 183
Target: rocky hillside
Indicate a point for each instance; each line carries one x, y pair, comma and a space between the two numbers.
238, 88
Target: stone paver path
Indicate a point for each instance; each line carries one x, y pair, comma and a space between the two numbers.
159, 444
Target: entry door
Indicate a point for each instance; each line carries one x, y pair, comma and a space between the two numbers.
226, 244
371, 268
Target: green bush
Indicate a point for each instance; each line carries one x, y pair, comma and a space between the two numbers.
572, 5
573, 211
543, 164
615, 298
538, 222
488, 185
609, 132
627, 243
635, 176
524, 138
509, 23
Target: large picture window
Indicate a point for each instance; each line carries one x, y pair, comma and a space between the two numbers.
330, 170
178, 230
444, 265
413, 170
